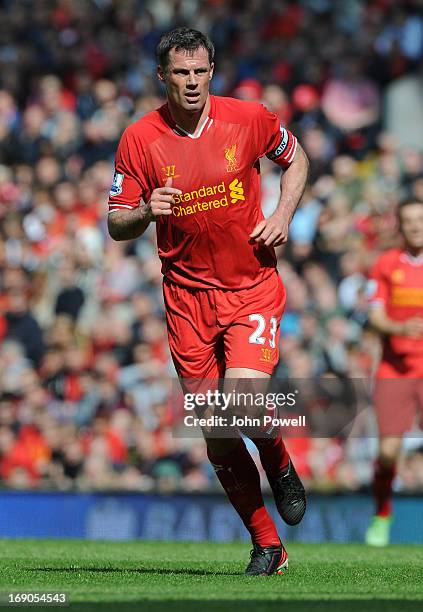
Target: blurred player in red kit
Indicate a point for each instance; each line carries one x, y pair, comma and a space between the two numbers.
192, 166
396, 300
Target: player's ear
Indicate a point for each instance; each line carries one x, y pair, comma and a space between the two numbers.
160, 74
211, 71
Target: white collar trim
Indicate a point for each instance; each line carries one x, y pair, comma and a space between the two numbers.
407, 257
200, 131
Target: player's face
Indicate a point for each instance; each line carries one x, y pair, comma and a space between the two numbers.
187, 78
411, 220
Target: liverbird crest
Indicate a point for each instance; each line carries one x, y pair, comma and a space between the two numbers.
230, 154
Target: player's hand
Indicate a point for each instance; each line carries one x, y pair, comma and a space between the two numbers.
413, 327
162, 199
271, 232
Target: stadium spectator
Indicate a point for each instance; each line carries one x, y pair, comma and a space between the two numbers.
72, 78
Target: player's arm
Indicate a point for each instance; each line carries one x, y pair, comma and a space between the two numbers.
379, 320
274, 230
130, 212
282, 147
131, 223
128, 224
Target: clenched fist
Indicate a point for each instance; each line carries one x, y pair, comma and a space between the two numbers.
412, 327
271, 232
162, 199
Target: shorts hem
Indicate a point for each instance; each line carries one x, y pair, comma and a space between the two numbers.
398, 433
251, 366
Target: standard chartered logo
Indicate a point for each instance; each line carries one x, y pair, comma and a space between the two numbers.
236, 191
207, 198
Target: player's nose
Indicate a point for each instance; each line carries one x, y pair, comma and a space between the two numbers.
192, 80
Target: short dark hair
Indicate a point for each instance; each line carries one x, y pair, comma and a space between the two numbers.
182, 38
407, 202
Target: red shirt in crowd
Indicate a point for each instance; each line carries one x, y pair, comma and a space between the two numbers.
396, 283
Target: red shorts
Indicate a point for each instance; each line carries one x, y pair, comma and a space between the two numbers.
398, 397
211, 330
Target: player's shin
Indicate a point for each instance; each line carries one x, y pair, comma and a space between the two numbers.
382, 487
287, 487
273, 454
240, 479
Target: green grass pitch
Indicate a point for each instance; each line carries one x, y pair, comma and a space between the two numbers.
203, 577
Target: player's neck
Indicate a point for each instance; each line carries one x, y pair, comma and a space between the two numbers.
414, 252
189, 122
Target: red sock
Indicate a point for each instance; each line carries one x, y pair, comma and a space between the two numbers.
382, 487
239, 476
273, 454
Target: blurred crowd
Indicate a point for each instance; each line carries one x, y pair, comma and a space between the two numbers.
84, 360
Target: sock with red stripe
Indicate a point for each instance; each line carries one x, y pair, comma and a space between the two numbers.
240, 479
382, 487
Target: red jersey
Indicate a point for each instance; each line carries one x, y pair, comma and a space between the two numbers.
205, 242
396, 282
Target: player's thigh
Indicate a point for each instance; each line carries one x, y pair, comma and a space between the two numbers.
195, 346
245, 378
246, 386
252, 339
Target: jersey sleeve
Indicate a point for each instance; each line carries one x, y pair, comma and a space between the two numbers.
274, 140
377, 290
129, 182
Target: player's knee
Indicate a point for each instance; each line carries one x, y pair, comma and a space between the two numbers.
389, 450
